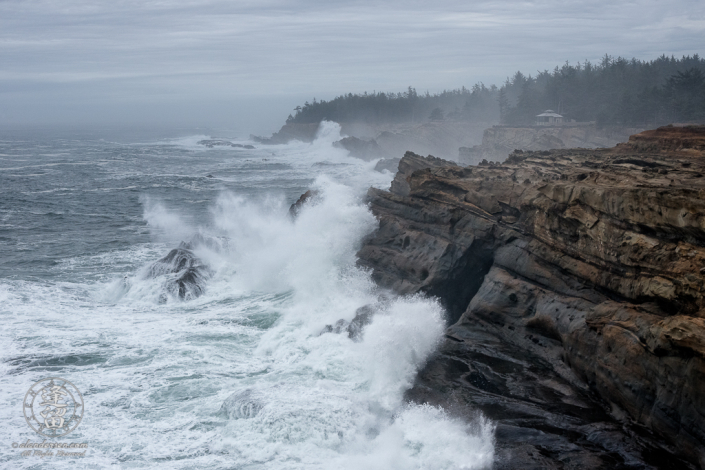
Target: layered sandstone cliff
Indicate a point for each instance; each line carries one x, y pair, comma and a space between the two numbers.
574, 282
499, 141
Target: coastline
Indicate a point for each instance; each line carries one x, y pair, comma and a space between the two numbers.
572, 278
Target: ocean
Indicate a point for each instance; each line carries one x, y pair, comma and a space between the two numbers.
245, 375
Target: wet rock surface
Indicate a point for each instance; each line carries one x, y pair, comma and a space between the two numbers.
306, 198
185, 274
355, 327
388, 164
572, 279
359, 148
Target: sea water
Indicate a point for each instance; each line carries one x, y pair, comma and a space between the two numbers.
244, 376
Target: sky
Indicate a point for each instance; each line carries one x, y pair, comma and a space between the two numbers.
245, 64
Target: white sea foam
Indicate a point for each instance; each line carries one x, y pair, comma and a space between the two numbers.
242, 377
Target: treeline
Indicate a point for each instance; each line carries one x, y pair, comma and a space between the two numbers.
478, 103
616, 91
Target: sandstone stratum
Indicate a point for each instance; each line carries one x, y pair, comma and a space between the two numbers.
499, 141
574, 282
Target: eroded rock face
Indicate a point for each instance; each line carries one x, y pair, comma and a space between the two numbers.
499, 141
574, 289
688, 140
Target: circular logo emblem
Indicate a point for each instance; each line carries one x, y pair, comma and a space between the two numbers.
53, 407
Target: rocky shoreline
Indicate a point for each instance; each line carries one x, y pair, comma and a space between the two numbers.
573, 283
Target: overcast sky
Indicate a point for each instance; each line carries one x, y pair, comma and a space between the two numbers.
248, 63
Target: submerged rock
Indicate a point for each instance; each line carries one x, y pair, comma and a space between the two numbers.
241, 405
210, 143
573, 283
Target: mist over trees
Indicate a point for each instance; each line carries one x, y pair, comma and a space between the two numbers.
478, 103
613, 92
616, 91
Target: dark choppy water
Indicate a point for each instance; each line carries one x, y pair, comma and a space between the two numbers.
239, 377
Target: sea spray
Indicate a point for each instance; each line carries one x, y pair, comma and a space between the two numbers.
241, 376
323, 392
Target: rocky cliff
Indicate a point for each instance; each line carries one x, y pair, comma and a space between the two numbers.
574, 284
500, 141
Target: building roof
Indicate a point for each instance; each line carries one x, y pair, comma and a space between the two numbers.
549, 113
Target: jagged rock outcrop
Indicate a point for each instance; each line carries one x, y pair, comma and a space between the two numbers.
500, 141
359, 148
388, 164
184, 274
354, 328
574, 281
305, 198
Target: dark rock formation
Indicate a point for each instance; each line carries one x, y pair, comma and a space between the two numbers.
185, 274
573, 284
410, 163
358, 148
354, 328
305, 198
389, 164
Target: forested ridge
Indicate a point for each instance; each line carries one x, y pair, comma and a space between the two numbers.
616, 91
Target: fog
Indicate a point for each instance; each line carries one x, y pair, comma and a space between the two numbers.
245, 65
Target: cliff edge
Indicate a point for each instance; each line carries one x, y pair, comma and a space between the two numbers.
574, 280
499, 141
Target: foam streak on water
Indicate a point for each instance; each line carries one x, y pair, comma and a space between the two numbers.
240, 377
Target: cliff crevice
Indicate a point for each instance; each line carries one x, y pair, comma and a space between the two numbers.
573, 284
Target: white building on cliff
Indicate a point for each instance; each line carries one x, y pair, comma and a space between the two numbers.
549, 118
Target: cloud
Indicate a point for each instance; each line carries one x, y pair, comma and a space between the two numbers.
206, 50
